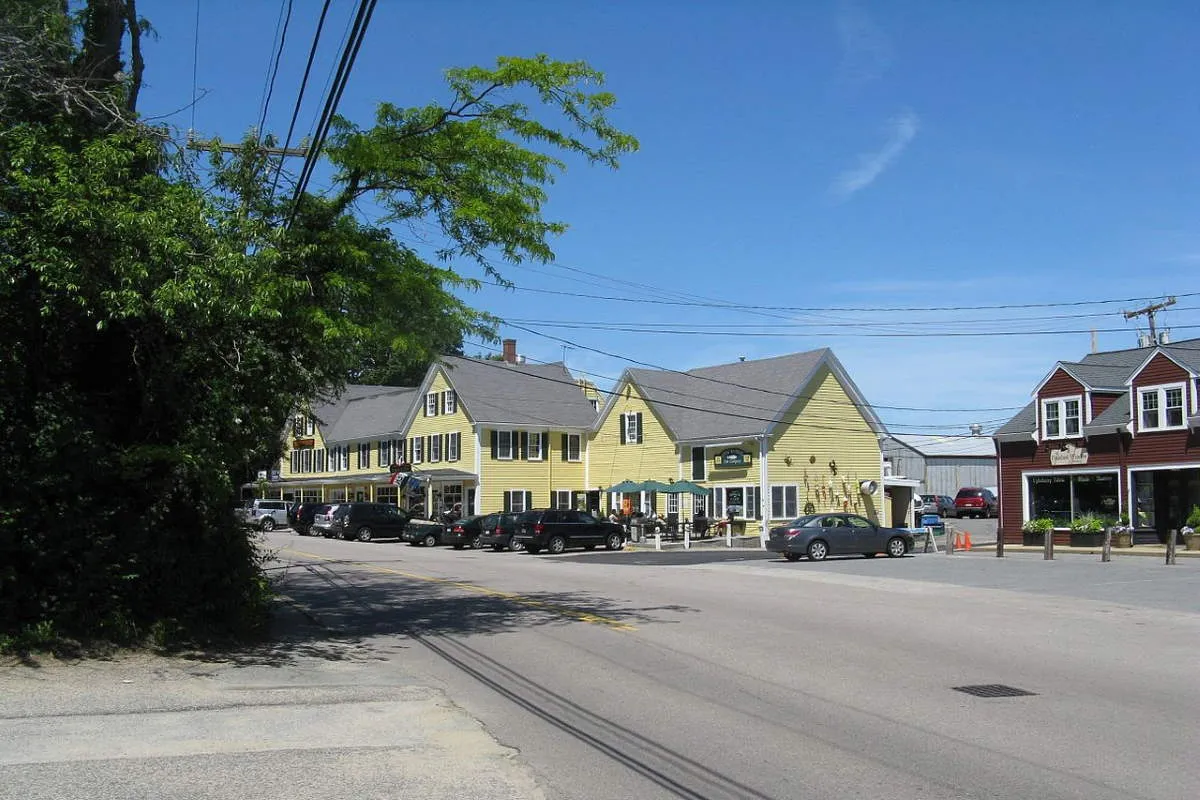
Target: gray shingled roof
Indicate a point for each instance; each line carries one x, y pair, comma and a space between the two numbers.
1025, 421
327, 410
373, 415
1098, 376
731, 400
1116, 414
527, 395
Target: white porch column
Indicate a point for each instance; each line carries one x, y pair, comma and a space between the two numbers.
764, 488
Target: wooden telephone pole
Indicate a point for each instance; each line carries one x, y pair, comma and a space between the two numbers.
1150, 311
205, 144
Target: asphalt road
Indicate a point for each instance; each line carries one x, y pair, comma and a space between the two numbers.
734, 675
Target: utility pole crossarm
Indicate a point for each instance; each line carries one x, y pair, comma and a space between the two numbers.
1149, 311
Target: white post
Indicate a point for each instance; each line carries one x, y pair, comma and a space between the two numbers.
687, 538
729, 536
658, 541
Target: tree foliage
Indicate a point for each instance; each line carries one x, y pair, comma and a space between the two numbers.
163, 317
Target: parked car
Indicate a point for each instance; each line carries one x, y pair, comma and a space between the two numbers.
938, 504
466, 532
821, 535
556, 529
972, 501
367, 521
424, 532
300, 516
322, 524
266, 515
499, 531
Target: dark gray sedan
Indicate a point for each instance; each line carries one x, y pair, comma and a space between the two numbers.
821, 535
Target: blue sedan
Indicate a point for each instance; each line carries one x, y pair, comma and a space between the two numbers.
821, 535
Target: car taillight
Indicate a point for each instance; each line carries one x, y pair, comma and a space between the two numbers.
793, 532
497, 531
458, 529
539, 528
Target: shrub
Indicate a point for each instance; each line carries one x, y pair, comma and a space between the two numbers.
1039, 525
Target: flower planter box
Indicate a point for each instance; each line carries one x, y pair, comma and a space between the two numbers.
1122, 539
1033, 539
1192, 542
1088, 539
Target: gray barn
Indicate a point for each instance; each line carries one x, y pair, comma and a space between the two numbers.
943, 464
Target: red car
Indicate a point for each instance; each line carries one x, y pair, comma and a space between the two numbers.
975, 502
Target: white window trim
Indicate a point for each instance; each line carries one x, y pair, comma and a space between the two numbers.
796, 500
673, 503
558, 496
431, 404
453, 446
541, 445
1127, 490
1061, 402
629, 420
512, 440
747, 488
417, 443
435, 452
578, 441
513, 494
1161, 392
450, 401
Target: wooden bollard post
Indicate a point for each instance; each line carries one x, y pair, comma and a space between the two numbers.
1171, 534
1048, 546
1106, 551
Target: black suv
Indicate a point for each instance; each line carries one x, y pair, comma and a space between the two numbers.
300, 516
498, 531
556, 529
367, 521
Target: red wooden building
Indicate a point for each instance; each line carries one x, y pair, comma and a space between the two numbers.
1112, 434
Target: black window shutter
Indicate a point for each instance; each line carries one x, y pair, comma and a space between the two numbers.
445, 446
525, 445
639, 427
622, 421
495, 447
528, 500
565, 437
507, 495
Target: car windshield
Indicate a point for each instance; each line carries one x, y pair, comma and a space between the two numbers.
970, 493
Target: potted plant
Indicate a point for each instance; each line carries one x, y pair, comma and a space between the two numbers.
1034, 532
1087, 530
1122, 532
1191, 537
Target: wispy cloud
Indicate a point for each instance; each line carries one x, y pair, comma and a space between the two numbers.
901, 130
866, 51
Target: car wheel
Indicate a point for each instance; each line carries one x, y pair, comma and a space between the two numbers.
365, 534
430, 540
868, 555
515, 546
792, 556
533, 550
556, 544
614, 542
476, 543
267, 524
499, 548
817, 550
895, 547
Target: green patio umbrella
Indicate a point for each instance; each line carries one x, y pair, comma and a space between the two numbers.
624, 487
655, 486
685, 487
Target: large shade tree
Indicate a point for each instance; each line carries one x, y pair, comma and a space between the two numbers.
163, 316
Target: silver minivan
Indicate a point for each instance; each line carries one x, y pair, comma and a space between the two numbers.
266, 515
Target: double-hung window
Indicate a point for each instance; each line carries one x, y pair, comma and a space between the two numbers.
572, 443
1161, 407
449, 402
385, 452
364, 455
417, 443
504, 445
453, 445
562, 498
1061, 417
784, 501
535, 446
435, 447
631, 428
431, 404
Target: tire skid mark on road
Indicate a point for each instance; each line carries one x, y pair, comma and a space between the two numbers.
541, 605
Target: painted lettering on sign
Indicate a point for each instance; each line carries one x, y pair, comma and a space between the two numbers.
733, 457
1068, 454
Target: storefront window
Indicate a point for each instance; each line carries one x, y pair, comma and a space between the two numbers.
1143, 492
387, 494
1064, 497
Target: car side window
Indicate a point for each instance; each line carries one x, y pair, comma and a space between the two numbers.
833, 522
859, 523
570, 516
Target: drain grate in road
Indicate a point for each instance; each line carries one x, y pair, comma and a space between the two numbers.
994, 690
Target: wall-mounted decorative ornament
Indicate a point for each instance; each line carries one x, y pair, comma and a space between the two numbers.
787, 460
868, 487
833, 466
812, 459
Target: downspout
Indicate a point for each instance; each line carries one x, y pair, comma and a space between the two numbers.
764, 484
478, 470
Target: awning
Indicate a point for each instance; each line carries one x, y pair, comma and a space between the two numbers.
686, 487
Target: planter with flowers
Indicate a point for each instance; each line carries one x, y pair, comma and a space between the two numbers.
1087, 530
1034, 532
1122, 533
1191, 530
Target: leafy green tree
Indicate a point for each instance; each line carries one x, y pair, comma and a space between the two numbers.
164, 317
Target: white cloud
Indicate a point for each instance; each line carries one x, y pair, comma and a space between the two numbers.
902, 130
866, 51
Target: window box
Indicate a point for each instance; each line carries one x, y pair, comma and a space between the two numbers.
1088, 538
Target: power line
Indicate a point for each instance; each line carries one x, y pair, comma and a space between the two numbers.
273, 64
312, 52
349, 53
636, 328
195, 63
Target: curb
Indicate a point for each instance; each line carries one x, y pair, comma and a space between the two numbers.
1093, 551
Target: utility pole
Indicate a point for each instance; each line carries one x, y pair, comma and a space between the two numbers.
1150, 311
205, 144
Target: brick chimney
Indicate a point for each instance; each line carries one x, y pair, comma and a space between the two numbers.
510, 350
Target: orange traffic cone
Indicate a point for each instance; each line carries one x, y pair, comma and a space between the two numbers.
967, 540
957, 541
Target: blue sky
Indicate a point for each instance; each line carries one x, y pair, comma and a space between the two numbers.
830, 156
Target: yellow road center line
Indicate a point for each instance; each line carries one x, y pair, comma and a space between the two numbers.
566, 611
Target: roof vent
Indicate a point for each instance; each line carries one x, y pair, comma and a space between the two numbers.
1144, 340
1164, 337
976, 429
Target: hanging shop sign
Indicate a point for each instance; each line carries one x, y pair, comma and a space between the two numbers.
732, 457
1068, 455
298, 443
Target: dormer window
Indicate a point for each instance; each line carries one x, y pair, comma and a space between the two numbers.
1160, 407
1061, 417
